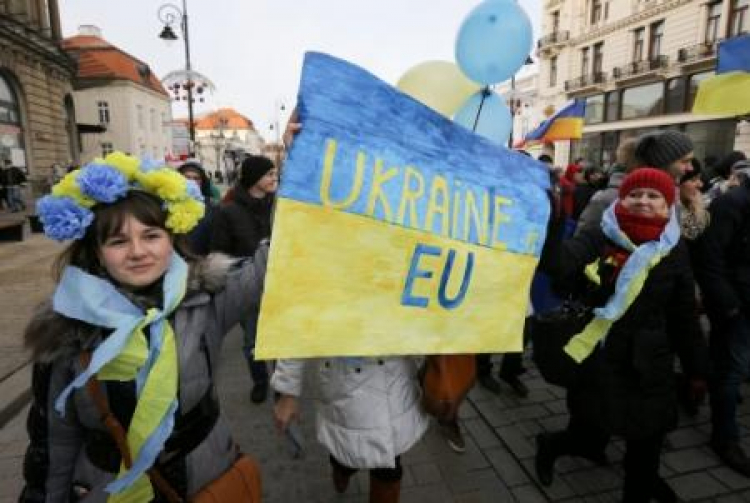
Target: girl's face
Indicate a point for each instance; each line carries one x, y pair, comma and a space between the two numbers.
689, 188
137, 255
646, 202
268, 183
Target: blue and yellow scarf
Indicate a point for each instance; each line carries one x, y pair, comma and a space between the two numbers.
629, 282
126, 355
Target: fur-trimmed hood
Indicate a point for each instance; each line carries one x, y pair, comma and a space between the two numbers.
50, 335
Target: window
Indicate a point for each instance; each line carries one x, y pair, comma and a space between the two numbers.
107, 148
612, 112
555, 21
739, 20
598, 57
657, 35
585, 61
103, 108
692, 89
163, 121
642, 101
553, 71
139, 116
639, 41
675, 99
596, 11
712, 24
152, 119
594, 109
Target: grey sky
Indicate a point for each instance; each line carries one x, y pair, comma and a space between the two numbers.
252, 49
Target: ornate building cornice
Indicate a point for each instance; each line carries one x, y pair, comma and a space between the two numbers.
633, 19
19, 36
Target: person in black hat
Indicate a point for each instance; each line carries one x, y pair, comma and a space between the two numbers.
238, 228
671, 151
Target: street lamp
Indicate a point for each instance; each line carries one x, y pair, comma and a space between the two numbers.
168, 14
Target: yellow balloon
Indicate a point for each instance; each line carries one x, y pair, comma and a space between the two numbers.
438, 84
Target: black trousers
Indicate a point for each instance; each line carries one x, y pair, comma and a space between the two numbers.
383, 474
512, 365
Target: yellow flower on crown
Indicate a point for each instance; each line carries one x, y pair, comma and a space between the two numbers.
165, 182
125, 164
184, 215
68, 187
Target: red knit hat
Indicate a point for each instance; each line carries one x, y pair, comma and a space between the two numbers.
649, 178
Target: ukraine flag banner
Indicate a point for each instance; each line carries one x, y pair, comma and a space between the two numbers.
728, 92
566, 124
396, 231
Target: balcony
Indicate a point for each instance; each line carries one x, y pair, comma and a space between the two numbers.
584, 83
702, 54
640, 69
548, 44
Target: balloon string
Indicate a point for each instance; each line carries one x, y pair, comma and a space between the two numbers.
485, 93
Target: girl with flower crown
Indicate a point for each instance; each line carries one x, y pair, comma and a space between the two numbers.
625, 382
131, 338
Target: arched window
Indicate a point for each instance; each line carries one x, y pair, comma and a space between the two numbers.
11, 131
9, 113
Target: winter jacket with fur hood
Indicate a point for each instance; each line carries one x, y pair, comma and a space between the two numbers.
71, 458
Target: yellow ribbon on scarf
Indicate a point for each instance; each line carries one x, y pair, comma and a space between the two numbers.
582, 345
157, 395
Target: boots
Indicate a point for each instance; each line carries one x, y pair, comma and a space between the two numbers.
384, 491
547, 451
341, 478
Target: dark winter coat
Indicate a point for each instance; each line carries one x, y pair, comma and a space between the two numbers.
635, 365
722, 255
240, 224
75, 453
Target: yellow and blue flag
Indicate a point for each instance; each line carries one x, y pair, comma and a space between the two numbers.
728, 92
396, 231
566, 124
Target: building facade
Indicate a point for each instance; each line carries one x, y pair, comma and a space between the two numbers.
638, 64
37, 115
222, 137
120, 94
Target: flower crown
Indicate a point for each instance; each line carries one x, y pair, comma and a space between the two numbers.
66, 213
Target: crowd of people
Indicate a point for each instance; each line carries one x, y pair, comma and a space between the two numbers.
158, 271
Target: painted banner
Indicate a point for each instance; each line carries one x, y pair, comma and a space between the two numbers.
396, 231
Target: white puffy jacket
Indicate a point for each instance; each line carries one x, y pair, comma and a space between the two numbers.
368, 409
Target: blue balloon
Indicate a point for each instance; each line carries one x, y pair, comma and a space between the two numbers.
493, 120
494, 41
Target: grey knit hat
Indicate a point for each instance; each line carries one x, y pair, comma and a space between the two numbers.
662, 149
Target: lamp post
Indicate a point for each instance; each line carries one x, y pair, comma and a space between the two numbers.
278, 147
168, 14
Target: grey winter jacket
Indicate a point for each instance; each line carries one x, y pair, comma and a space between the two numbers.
220, 293
368, 409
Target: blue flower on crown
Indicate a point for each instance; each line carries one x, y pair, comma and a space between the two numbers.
63, 218
102, 183
194, 191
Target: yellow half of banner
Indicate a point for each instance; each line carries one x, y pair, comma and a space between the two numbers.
725, 94
336, 285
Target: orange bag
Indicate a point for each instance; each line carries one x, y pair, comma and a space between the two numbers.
240, 484
446, 380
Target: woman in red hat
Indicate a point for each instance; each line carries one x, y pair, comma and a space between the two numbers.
625, 382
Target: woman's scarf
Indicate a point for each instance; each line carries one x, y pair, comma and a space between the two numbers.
629, 282
127, 354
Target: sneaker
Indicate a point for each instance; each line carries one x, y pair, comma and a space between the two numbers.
259, 392
733, 456
489, 383
519, 388
451, 431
